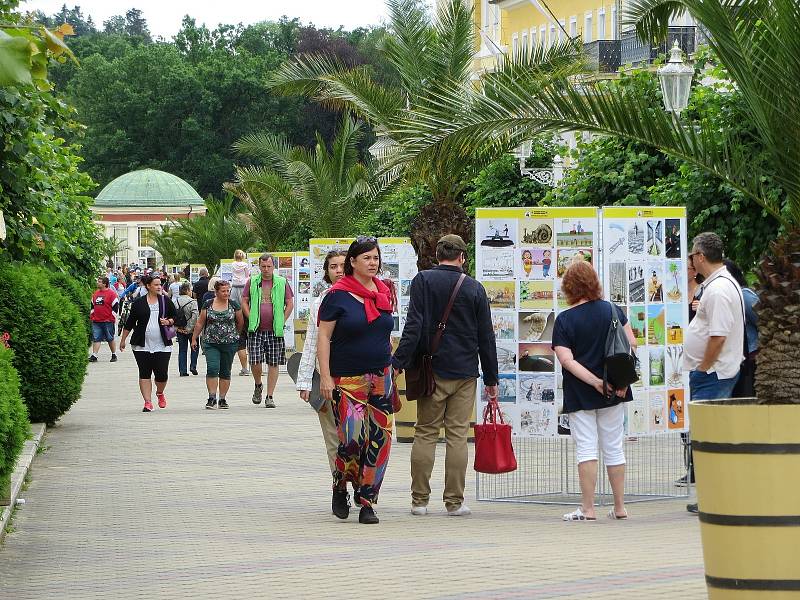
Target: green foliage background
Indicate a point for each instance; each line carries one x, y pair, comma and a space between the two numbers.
14, 426
48, 336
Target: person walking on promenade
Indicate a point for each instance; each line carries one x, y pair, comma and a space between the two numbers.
241, 273
267, 303
746, 383
186, 312
468, 335
149, 318
175, 287
715, 338
200, 286
220, 322
211, 293
104, 303
593, 416
354, 352
333, 271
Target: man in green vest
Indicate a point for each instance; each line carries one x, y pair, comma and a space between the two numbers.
267, 303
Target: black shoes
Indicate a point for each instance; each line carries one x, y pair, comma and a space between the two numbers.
222, 403
367, 516
184, 374
92, 358
194, 371
113, 358
211, 404
340, 504
692, 508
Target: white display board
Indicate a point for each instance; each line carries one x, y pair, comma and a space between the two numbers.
399, 263
644, 272
521, 254
302, 296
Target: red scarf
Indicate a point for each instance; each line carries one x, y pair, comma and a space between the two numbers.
373, 301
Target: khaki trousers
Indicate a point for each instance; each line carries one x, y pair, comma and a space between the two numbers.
451, 406
329, 433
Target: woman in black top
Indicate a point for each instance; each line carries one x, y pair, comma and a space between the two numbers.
149, 318
579, 338
354, 352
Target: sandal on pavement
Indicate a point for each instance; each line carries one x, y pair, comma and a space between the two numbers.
577, 515
612, 514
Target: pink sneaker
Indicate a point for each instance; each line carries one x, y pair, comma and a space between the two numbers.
148, 406
162, 401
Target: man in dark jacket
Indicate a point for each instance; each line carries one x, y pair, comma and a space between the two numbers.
467, 336
200, 286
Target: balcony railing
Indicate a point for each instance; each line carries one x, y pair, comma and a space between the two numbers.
605, 56
637, 53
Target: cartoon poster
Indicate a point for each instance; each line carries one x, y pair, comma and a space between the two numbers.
675, 409
647, 245
520, 256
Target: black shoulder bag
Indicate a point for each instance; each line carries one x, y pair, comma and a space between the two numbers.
619, 364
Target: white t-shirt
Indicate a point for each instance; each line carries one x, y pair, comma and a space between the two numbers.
174, 289
721, 313
153, 342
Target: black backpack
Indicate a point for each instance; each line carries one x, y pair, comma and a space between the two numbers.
619, 364
180, 316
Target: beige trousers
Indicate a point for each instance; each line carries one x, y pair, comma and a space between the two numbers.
329, 433
451, 405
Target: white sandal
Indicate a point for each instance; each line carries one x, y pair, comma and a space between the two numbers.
612, 514
577, 515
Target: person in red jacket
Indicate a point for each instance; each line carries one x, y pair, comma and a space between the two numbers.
104, 302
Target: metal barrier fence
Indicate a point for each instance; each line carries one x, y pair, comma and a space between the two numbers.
548, 474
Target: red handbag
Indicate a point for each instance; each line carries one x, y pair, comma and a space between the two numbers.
493, 450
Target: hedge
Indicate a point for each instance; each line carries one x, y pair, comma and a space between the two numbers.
14, 426
48, 337
78, 293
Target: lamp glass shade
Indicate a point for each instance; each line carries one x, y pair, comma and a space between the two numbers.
676, 81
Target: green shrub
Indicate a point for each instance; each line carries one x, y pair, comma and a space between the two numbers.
48, 337
78, 292
14, 426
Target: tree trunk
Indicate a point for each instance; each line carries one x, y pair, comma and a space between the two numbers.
778, 372
435, 220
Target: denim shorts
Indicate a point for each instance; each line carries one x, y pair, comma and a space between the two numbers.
708, 386
103, 332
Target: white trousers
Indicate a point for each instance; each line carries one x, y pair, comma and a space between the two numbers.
603, 427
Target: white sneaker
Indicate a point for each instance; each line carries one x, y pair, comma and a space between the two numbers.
461, 511
244, 372
419, 510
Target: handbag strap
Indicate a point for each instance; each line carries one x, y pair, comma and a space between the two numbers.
443, 323
492, 412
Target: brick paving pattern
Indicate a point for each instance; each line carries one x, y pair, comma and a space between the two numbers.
190, 503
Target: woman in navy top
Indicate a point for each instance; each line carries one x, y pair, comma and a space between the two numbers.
354, 353
579, 339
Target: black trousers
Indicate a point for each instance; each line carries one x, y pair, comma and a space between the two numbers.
153, 363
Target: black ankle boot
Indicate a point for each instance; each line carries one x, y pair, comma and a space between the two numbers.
367, 516
340, 504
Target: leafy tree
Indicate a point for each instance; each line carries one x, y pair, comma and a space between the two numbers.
111, 246
328, 190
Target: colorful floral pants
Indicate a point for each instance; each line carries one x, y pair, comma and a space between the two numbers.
363, 407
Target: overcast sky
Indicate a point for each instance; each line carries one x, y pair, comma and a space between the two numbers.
164, 16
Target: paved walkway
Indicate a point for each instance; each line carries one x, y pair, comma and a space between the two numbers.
189, 503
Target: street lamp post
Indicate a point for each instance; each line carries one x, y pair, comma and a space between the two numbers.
676, 81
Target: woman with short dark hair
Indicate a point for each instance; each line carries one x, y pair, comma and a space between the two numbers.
220, 322
354, 352
595, 414
149, 317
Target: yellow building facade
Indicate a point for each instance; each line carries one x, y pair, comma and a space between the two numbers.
507, 26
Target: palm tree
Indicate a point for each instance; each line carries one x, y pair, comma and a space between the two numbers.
209, 238
169, 246
756, 42
328, 189
111, 246
432, 57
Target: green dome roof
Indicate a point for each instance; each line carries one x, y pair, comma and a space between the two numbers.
147, 187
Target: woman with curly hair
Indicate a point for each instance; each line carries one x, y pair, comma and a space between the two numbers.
595, 413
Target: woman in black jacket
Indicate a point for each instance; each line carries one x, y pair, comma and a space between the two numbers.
149, 318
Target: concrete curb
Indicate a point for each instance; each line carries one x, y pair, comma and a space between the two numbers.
18, 476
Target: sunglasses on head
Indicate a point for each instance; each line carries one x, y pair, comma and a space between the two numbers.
366, 238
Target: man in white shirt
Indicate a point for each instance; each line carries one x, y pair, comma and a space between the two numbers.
714, 347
